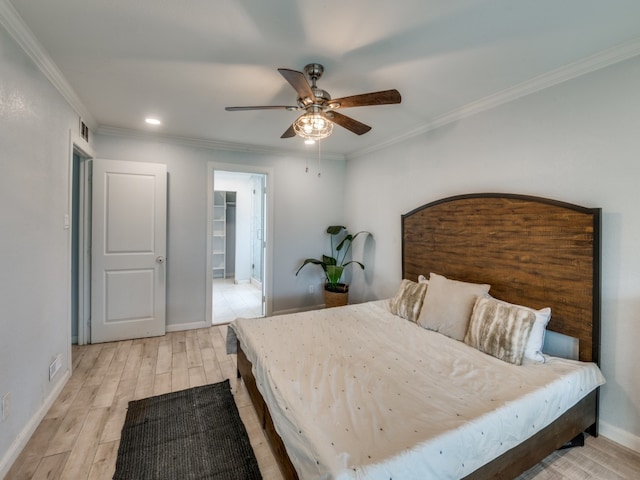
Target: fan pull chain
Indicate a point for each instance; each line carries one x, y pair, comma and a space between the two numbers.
319, 169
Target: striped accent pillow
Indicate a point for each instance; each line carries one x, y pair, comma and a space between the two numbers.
408, 301
500, 329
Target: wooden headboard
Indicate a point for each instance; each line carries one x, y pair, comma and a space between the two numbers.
532, 251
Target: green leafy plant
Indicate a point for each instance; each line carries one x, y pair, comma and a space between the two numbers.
333, 265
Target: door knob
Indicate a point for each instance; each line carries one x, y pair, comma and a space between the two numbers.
160, 259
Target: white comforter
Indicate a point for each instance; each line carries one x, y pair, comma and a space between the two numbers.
358, 393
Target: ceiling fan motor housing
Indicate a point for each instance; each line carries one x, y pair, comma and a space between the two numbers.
314, 71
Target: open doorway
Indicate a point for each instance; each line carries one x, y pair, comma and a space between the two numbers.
238, 245
80, 229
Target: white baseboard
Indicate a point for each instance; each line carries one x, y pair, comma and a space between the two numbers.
23, 437
186, 326
620, 436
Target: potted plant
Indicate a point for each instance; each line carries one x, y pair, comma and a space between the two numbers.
336, 293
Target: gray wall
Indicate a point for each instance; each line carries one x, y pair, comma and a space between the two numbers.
303, 206
578, 142
35, 321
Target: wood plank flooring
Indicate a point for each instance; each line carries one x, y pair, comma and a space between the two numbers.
78, 438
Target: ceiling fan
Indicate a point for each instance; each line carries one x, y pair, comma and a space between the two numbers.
320, 109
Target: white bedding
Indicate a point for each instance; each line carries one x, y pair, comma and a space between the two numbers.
358, 393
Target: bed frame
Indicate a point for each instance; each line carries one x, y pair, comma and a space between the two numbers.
532, 251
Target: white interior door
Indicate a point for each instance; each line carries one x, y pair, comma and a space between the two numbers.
128, 250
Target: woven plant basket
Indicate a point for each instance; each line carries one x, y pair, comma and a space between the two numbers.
336, 299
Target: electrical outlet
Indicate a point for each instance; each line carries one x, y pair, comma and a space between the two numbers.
4, 405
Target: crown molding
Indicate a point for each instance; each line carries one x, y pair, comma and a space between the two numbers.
13, 23
209, 144
16, 27
573, 70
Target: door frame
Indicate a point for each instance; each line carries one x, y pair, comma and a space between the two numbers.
80, 146
268, 260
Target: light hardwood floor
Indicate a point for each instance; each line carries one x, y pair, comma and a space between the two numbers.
79, 437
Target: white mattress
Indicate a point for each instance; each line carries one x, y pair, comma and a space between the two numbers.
358, 393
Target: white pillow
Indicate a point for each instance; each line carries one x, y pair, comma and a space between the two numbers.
533, 349
448, 305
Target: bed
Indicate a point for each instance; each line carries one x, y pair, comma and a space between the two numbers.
531, 251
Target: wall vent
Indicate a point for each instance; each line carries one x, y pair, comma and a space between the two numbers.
84, 131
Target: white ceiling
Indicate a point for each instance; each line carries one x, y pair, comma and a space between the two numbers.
185, 60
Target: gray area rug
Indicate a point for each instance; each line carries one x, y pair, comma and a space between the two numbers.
191, 434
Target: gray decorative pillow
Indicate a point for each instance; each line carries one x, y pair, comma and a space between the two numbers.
408, 301
533, 350
448, 305
500, 329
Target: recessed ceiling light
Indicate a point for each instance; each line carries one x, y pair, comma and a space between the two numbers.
152, 121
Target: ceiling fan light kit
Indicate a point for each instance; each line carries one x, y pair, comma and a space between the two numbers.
313, 126
320, 110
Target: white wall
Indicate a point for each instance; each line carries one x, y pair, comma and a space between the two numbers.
303, 206
35, 324
578, 142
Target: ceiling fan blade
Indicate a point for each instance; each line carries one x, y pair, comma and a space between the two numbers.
385, 97
349, 123
263, 107
289, 133
299, 82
